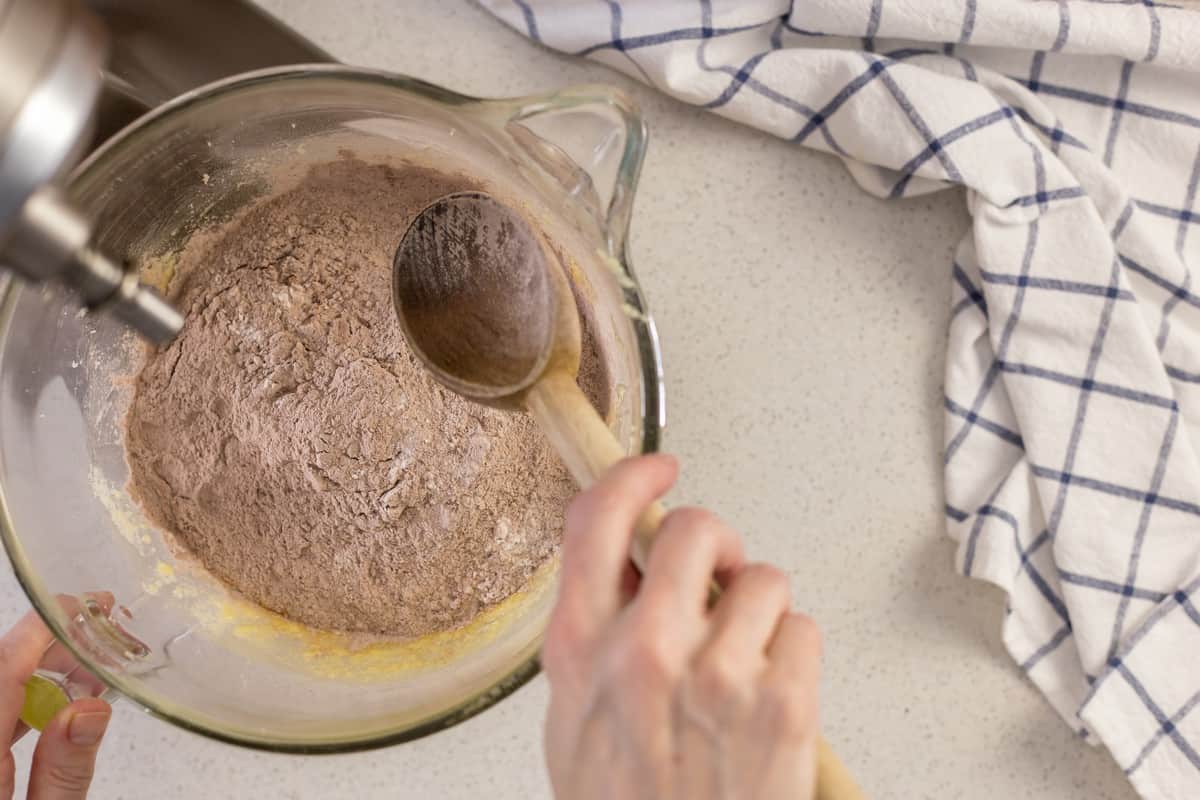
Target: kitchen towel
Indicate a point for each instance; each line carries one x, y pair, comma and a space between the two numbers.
1072, 401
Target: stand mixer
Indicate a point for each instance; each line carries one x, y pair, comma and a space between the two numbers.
51, 54
54, 91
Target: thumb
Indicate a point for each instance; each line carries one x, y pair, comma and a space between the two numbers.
65, 756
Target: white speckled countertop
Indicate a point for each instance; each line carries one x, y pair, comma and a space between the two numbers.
828, 457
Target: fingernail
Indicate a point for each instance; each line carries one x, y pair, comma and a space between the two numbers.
86, 728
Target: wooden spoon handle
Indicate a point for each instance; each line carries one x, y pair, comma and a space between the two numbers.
588, 447
834, 781
585, 444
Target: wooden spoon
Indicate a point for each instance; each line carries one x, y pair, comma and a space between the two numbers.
484, 310
488, 311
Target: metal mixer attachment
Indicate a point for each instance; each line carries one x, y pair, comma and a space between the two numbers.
51, 59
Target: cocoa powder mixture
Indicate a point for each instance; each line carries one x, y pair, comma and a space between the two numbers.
291, 441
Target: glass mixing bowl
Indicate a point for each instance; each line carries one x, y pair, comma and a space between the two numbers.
175, 640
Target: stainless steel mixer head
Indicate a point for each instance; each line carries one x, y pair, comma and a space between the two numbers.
51, 56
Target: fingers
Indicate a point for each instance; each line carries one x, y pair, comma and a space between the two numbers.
22, 647
692, 545
8, 774
730, 664
599, 530
793, 675
788, 708
631, 581
65, 757
796, 647
748, 613
60, 660
20, 651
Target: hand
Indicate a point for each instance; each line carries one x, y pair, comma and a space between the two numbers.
65, 756
653, 695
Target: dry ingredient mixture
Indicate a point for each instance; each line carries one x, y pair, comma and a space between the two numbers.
291, 442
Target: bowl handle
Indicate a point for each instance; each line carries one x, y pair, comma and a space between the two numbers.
591, 140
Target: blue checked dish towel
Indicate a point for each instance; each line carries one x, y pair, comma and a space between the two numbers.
1072, 408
